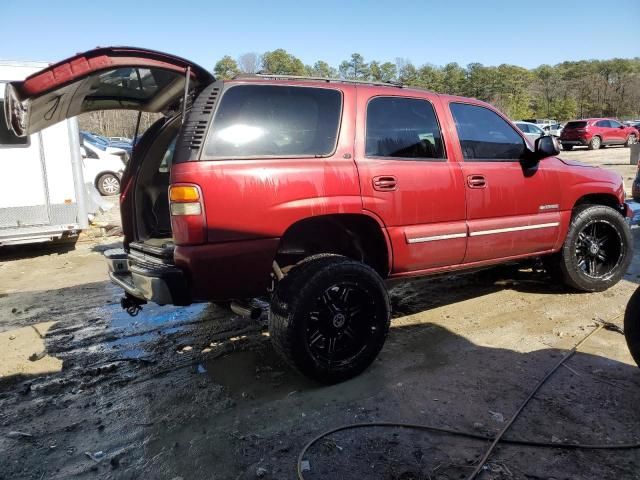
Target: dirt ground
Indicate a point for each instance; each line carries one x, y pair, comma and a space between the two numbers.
197, 393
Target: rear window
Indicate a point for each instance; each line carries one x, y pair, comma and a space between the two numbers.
571, 125
403, 128
275, 121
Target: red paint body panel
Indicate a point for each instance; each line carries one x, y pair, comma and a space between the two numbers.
428, 193
220, 271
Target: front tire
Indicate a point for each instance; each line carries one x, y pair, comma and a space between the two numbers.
597, 250
595, 143
631, 139
108, 184
329, 317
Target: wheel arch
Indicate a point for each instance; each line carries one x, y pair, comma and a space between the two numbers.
602, 198
355, 235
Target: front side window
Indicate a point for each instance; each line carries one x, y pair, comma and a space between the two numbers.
403, 128
7, 138
484, 135
614, 124
275, 121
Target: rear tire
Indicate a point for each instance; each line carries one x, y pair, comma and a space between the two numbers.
595, 143
108, 184
329, 317
632, 326
597, 250
568, 148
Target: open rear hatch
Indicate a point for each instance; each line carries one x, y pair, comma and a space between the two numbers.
102, 79
124, 78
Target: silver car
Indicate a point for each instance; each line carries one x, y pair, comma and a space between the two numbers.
531, 130
554, 129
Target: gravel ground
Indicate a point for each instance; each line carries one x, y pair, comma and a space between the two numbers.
198, 393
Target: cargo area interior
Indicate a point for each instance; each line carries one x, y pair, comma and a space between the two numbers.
152, 215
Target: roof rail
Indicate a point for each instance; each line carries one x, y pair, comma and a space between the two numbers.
272, 76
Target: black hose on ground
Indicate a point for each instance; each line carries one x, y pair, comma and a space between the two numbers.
499, 437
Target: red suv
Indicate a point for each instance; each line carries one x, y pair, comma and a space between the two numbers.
595, 133
317, 191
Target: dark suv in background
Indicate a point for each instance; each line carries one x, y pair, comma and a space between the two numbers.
595, 133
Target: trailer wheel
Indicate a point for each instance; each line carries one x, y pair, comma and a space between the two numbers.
108, 184
329, 317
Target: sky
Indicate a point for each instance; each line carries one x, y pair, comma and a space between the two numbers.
492, 32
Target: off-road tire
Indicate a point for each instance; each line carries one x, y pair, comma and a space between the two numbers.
299, 313
595, 143
580, 261
632, 325
103, 183
567, 147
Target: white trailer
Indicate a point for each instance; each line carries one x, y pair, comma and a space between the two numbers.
42, 194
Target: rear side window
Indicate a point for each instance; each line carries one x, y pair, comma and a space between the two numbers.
572, 125
275, 121
7, 138
403, 128
484, 135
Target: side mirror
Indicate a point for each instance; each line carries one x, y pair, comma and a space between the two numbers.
83, 152
621, 126
547, 146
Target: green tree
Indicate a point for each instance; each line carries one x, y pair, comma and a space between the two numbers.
407, 72
453, 79
385, 72
322, 69
280, 62
226, 68
355, 68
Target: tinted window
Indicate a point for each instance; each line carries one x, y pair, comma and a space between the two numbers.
572, 125
602, 123
484, 135
7, 137
275, 121
402, 128
614, 124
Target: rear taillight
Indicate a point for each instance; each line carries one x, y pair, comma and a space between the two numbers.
188, 221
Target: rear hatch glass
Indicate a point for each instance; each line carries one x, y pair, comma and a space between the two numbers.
572, 125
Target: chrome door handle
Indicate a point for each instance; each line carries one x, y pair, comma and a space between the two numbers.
385, 183
476, 181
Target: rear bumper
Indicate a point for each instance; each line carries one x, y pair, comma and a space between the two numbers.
574, 141
209, 272
158, 283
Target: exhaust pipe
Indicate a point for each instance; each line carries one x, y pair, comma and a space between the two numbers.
245, 309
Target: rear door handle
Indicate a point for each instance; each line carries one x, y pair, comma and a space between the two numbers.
385, 183
476, 181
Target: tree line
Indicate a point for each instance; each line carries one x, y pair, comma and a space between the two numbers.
568, 90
